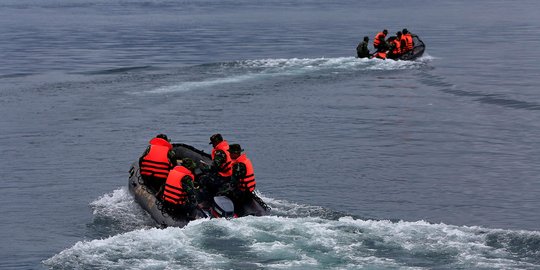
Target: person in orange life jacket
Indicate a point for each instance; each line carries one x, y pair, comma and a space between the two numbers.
243, 178
408, 40
395, 46
379, 42
380, 54
217, 175
221, 159
179, 195
156, 162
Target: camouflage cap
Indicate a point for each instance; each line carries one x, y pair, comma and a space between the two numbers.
189, 164
216, 138
235, 148
163, 136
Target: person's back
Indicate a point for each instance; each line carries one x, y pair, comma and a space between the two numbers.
362, 50
395, 50
408, 40
156, 162
379, 42
178, 196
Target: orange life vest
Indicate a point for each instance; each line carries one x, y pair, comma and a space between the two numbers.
377, 40
408, 42
156, 163
247, 183
174, 192
397, 47
226, 168
380, 55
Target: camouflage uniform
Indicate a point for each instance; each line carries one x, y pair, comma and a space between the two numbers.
362, 50
220, 158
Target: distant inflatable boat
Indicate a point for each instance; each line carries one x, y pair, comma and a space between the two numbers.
416, 52
219, 206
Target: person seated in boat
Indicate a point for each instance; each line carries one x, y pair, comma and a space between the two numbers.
379, 42
380, 55
220, 171
243, 178
179, 196
156, 162
407, 41
221, 159
362, 50
395, 46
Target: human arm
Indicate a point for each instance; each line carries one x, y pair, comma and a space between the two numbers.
171, 155
187, 185
219, 159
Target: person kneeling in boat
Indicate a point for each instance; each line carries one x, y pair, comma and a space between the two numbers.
156, 162
362, 50
178, 196
243, 178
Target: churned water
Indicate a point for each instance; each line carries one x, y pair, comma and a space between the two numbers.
367, 164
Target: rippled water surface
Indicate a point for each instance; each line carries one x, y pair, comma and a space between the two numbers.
366, 163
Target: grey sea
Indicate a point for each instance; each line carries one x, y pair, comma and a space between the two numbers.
366, 163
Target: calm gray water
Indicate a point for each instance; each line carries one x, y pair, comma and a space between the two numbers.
368, 164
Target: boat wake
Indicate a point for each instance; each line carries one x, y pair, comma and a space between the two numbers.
296, 236
242, 71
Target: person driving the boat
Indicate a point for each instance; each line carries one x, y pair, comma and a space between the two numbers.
243, 178
156, 162
179, 196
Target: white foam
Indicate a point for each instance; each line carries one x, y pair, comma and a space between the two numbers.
295, 236
189, 86
285, 242
261, 68
120, 207
286, 208
140, 249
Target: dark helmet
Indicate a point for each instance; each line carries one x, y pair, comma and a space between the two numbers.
163, 136
385, 31
216, 138
366, 38
405, 31
189, 164
235, 148
398, 33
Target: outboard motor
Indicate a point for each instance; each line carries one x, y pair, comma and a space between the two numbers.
223, 207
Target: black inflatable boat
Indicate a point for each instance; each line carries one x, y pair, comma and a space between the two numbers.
219, 206
416, 52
